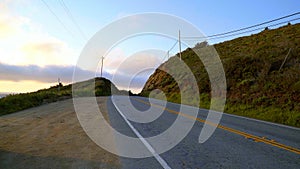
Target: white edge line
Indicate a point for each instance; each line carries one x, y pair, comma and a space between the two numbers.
266, 122
162, 162
242, 117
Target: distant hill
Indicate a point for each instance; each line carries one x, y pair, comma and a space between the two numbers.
260, 82
16, 102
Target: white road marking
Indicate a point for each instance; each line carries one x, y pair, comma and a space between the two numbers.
242, 117
162, 162
261, 121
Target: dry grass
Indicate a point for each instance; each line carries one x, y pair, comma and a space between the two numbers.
51, 132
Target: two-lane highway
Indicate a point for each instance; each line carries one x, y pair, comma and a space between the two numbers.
237, 142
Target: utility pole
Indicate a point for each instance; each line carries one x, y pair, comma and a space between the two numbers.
179, 44
59, 84
102, 58
168, 54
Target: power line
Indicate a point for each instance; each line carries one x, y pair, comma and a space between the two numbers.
68, 12
254, 29
224, 35
173, 46
53, 13
241, 29
168, 51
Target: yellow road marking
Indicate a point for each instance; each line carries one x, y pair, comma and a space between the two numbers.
246, 135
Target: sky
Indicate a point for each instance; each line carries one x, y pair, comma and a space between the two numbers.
41, 41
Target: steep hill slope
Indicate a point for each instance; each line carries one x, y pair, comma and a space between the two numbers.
260, 83
17, 102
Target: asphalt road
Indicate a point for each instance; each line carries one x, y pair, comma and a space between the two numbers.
237, 142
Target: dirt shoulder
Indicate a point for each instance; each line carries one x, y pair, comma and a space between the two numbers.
50, 136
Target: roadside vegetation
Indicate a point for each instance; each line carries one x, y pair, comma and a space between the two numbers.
16, 102
262, 74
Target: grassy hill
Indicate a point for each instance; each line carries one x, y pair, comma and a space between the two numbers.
16, 102
257, 85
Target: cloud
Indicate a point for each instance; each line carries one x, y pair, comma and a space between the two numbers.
23, 42
128, 82
47, 74
5, 28
42, 47
8, 23
25, 86
117, 61
30, 53
131, 72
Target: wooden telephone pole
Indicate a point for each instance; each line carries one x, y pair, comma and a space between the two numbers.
102, 58
179, 42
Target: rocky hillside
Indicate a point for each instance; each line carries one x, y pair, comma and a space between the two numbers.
260, 82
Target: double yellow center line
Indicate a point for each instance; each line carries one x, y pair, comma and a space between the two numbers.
246, 135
